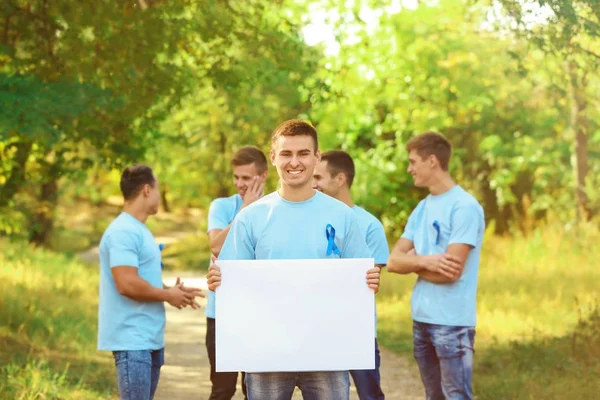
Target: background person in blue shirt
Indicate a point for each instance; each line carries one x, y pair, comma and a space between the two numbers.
249, 173
334, 176
131, 313
441, 243
291, 223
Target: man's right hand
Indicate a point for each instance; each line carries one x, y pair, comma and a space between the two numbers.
445, 264
254, 192
213, 277
180, 297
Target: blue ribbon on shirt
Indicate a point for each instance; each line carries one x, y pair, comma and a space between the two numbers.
161, 247
331, 246
436, 226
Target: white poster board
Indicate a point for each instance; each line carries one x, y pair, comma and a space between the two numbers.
295, 315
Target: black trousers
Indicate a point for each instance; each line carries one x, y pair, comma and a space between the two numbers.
223, 383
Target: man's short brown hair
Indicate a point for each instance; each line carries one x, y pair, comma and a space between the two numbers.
295, 127
250, 155
134, 178
431, 143
338, 161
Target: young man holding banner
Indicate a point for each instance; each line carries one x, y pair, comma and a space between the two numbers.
295, 222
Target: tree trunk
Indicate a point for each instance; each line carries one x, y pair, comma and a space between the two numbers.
163, 198
223, 175
579, 125
43, 219
44, 216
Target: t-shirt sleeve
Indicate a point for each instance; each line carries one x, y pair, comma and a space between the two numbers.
123, 249
218, 216
354, 245
467, 221
411, 224
378, 244
238, 244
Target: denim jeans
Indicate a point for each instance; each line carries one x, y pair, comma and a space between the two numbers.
314, 385
223, 383
445, 358
138, 372
368, 381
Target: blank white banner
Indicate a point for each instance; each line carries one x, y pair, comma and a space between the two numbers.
295, 315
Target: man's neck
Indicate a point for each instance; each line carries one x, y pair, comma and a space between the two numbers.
345, 197
135, 211
441, 184
297, 194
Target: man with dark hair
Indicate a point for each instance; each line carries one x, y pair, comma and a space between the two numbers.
441, 243
292, 223
334, 176
249, 173
131, 313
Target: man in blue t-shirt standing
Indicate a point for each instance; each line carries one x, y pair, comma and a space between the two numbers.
334, 176
441, 243
249, 173
295, 222
131, 313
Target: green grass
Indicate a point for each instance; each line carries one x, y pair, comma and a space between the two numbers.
531, 291
48, 322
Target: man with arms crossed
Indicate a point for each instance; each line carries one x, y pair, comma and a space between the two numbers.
441, 244
291, 223
249, 174
334, 176
131, 313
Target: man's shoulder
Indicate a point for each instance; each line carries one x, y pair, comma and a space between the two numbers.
367, 216
123, 227
322, 199
259, 206
466, 199
223, 201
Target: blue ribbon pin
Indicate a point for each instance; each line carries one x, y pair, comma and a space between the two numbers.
161, 247
436, 226
331, 246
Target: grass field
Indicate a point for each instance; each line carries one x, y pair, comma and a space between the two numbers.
538, 333
48, 313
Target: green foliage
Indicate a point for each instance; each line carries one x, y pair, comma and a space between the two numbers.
48, 314
443, 66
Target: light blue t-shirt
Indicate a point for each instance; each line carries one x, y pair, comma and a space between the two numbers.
273, 228
458, 218
374, 235
376, 239
221, 213
124, 323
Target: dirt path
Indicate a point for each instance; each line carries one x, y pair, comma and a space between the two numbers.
186, 371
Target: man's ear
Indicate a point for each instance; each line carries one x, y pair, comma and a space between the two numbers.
341, 179
272, 156
433, 161
318, 155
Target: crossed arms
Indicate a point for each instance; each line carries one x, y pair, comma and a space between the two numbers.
439, 268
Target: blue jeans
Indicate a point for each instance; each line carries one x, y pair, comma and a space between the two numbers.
138, 372
314, 385
445, 358
368, 381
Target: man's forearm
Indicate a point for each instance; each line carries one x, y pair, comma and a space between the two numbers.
402, 263
216, 242
433, 277
139, 289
